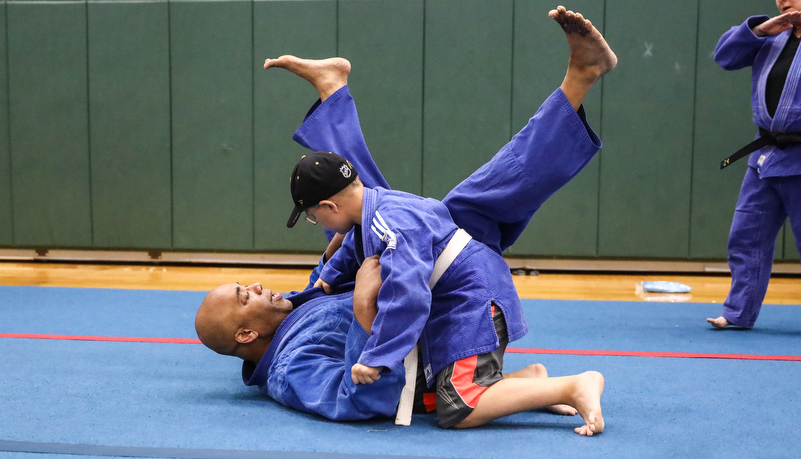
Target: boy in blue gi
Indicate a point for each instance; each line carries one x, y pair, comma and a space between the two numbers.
771, 189
564, 141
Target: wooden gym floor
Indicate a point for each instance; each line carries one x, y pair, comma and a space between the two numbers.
572, 286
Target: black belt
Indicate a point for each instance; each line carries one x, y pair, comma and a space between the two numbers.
766, 138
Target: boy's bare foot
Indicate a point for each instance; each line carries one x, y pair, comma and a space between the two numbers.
720, 322
326, 75
590, 55
538, 370
587, 399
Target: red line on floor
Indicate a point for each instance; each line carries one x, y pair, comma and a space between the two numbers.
123, 339
677, 355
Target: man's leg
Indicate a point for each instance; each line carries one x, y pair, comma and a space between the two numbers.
332, 124
757, 220
496, 202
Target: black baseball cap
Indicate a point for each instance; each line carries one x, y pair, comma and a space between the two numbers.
316, 177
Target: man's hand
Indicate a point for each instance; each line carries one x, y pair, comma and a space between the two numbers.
363, 374
778, 24
326, 287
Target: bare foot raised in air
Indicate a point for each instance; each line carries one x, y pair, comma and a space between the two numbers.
326, 75
590, 55
720, 322
538, 370
587, 399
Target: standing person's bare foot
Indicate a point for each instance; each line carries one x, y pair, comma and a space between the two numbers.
326, 75
587, 399
590, 55
538, 370
720, 322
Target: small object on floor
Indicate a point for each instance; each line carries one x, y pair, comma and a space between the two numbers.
665, 287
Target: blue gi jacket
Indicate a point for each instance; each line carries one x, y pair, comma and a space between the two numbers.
452, 322
739, 48
307, 366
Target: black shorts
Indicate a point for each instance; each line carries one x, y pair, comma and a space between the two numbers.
460, 384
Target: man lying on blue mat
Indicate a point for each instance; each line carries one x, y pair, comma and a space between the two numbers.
299, 349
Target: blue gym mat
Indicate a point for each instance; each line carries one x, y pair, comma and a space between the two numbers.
161, 399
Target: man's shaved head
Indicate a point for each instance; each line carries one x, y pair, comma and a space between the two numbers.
240, 320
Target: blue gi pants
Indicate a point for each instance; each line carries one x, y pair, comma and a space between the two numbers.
496, 202
763, 206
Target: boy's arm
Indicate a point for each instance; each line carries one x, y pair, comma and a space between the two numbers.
404, 302
343, 264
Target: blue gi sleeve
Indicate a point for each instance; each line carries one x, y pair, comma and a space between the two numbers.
404, 300
738, 47
343, 265
318, 380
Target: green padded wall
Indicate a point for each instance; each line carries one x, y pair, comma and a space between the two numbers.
281, 99
6, 217
790, 248
722, 126
467, 89
150, 124
385, 41
212, 124
647, 119
47, 78
566, 225
129, 106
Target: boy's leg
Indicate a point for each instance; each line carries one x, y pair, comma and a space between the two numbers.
332, 124
496, 202
757, 221
515, 395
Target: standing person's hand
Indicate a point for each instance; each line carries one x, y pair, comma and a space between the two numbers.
778, 24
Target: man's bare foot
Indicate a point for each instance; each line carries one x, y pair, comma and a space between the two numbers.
326, 75
720, 322
587, 399
590, 55
538, 370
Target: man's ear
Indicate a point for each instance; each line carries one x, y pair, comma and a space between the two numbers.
245, 335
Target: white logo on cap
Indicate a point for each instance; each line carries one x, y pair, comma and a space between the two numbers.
344, 170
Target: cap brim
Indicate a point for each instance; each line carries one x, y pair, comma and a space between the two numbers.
293, 218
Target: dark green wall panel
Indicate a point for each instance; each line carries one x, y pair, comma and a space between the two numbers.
467, 90
160, 129
790, 248
129, 94
384, 41
719, 92
48, 124
647, 119
566, 225
6, 216
212, 124
306, 29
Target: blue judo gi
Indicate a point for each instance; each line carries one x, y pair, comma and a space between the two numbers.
771, 189
493, 205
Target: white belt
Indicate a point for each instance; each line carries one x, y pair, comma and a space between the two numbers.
452, 250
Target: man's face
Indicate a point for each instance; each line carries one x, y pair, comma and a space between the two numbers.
230, 308
788, 5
